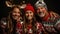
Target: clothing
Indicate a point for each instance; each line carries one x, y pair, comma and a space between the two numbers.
3, 26
50, 23
19, 28
29, 7
37, 30
8, 26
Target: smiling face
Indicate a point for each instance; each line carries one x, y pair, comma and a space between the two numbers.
41, 11
29, 14
16, 13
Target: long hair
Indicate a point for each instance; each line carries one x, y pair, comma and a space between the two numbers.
26, 22
10, 19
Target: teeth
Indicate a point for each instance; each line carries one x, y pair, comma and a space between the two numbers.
40, 13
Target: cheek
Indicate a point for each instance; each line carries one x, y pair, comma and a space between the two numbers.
37, 11
18, 14
13, 14
44, 9
32, 15
26, 15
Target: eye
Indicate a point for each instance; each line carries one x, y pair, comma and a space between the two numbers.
30, 12
19, 12
42, 8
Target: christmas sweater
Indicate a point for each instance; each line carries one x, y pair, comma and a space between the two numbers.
51, 22
19, 28
38, 29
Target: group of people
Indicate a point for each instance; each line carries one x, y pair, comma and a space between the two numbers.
33, 20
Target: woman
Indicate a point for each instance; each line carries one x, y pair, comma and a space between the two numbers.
31, 25
11, 22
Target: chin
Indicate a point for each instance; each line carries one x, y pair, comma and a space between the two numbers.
41, 15
29, 18
15, 18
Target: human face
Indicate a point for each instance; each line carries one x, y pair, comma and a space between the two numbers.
29, 14
16, 13
41, 11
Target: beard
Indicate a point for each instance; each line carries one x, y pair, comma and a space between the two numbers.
41, 14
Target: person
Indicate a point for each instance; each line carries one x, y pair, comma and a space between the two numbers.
31, 26
13, 24
49, 19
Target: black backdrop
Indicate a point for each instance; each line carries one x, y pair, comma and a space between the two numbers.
53, 5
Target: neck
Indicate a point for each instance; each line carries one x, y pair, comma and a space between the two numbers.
30, 21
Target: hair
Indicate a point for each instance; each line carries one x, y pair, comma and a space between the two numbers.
14, 7
33, 22
9, 19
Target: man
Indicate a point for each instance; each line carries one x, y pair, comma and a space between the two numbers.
50, 20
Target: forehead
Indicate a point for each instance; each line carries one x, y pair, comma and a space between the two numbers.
16, 10
29, 11
40, 7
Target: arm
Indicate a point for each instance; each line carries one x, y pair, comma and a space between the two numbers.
57, 25
40, 28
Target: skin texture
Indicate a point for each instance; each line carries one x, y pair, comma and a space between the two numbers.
42, 12
29, 14
16, 14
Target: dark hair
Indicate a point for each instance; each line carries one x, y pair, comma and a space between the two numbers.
33, 22
13, 9
10, 20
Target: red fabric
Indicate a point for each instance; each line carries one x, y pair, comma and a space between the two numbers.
29, 27
29, 7
40, 27
19, 28
46, 17
19, 25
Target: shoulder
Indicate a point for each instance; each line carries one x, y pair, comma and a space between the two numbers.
53, 14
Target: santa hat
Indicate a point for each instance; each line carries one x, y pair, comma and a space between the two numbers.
40, 3
29, 7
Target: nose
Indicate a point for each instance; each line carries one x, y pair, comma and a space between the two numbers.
17, 14
28, 14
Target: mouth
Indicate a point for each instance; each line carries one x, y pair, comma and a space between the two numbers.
41, 14
29, 17
15, 17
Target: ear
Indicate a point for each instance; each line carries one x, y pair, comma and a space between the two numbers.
9, 4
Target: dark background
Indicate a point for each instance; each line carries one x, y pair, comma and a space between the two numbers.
53, 5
